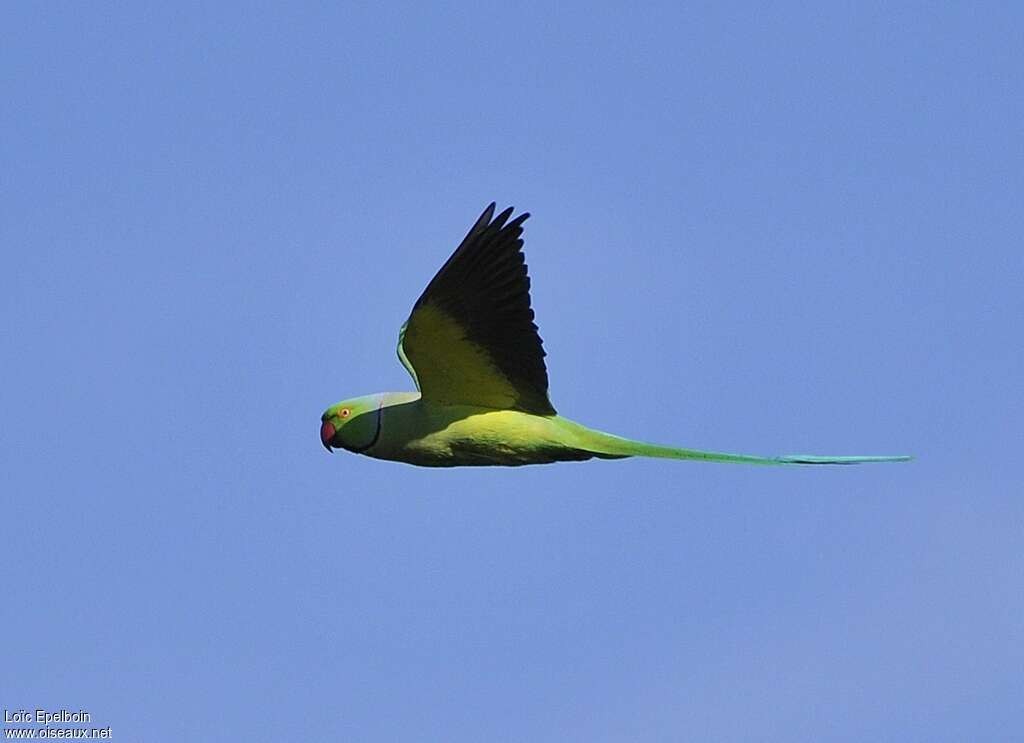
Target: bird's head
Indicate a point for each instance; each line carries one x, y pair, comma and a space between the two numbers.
351, 424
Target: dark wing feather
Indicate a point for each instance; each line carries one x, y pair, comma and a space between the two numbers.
471, 337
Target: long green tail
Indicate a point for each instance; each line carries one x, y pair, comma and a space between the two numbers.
610, 446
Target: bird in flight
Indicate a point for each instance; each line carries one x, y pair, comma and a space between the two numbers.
472, 349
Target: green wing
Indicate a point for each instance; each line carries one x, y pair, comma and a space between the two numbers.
471, 339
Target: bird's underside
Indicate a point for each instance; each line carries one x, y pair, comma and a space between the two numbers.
473, 350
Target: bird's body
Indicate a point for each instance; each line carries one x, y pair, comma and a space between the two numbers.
414, 431
473, 350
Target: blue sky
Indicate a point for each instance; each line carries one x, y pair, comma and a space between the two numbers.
767, 230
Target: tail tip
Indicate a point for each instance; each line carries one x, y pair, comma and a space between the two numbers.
810, 459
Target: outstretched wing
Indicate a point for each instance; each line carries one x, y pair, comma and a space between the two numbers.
471, 339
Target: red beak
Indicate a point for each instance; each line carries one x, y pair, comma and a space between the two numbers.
327, 435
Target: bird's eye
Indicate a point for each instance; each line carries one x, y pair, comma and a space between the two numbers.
345, 412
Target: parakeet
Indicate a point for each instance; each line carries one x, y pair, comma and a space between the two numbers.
473, 351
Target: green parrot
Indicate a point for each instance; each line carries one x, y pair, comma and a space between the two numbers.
472, 349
